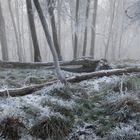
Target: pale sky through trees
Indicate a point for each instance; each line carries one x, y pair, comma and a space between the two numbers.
123, 42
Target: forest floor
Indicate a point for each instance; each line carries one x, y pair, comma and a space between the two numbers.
106, 108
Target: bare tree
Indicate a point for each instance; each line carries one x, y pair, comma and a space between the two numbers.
20, 50
112, 16
37, 56
15, 31
86, 28
50, 42
51, 4
3, 38
76, 30
93, 28
59, 5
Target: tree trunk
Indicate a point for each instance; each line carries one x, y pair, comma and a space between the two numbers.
86, 28
121, 28
25, 90
87, 76
31, 44
76, 30
50, 4
37, 56
50, 42
19, 49
93, 29
112, 6
59, 21
22, 30
3, 38
14, 26
38, 65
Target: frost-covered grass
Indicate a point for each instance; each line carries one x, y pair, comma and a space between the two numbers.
15, 78
33, 109
126, 132
97, 108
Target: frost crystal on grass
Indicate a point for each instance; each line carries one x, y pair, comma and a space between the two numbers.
124, 133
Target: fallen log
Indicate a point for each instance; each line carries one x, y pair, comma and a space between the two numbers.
31, 89
24, 90
32, 65
102, 73
22, 65
77, 66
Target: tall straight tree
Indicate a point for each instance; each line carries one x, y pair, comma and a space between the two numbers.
15, 31
18, 21
93, 28
37, 56
50, 42
112, 16
51, 4
86, 28
76, 30
59, 6
3, 39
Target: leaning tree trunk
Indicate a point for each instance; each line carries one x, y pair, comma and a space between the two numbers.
54, 30
3, 38
37, 56
76, 30
93, 29
50, 42
86, 28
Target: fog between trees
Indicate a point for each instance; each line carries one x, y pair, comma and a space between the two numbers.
97, 28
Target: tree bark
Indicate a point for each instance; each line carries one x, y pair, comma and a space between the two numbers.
37, 56
3, 38
50, 42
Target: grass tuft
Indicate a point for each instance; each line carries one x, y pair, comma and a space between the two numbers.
10, 128
54, 128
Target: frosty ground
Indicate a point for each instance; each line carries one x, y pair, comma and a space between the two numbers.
106, 108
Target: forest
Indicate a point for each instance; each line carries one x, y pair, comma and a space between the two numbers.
69, 70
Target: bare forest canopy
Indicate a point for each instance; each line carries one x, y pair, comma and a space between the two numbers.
74, 28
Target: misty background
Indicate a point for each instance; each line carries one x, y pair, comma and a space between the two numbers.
116, 30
